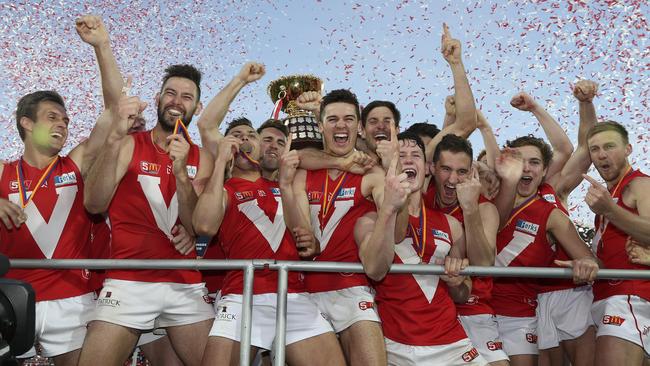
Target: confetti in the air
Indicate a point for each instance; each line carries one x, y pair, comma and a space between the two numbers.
381, 50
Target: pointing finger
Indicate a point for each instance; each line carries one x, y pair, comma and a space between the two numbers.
591, 180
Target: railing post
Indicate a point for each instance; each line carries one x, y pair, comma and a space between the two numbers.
246, 316
281, 316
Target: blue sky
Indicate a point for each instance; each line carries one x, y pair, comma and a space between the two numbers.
381, 50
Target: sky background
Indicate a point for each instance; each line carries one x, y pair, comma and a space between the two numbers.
381, 50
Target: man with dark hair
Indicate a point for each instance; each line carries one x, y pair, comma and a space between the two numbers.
41, 205
184, 71
426, 131
241, 121
455, 190
321, 207
526, 239
246, 214
376, 121
273, 142
622, 209
431, 333
144, 181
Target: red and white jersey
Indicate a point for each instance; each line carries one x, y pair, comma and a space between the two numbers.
609, 242
253, 227
144, 211
478, 301
100, 247
57, 227
417, 309
547, 192
522, 243
335, 231
214, 278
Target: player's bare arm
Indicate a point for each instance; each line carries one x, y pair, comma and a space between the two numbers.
214, 113
579, 162
635, 196
561, 229
481, 222
91, 30
463, 98
374, 232
562, 146
213, 202
113, 159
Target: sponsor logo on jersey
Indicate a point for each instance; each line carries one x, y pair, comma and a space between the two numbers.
365, 305
347, 192
470, 355
613, 320
149, 168
314, 196
13, 185
191, 171
275, 191
64, 179
225, 315
261, 193
108, 301
440, 235
531, 338
246, 195
494, 346
549, 197
472, 300
527, 227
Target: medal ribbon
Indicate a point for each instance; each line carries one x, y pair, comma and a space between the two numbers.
326, 205
22, 190
277, 108
179, 127
602, 221
420, 240
522, 207
250, 159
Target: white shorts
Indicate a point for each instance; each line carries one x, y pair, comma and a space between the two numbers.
483, 332
303, 319
563, 315
519, 335
61, 324
457, 353
624, 316
151, 305
344, 307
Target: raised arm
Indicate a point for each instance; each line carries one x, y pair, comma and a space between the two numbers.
114, 157
216, 110
375, 232
450, 111
562, 146
492, 151
465, 108
91, 30
579, 162
213, 202
509, 168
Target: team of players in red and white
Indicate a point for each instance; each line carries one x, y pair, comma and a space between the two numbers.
371, 195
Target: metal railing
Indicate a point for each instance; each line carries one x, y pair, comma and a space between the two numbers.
283, 268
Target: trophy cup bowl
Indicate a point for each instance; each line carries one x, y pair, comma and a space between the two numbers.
303, 126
